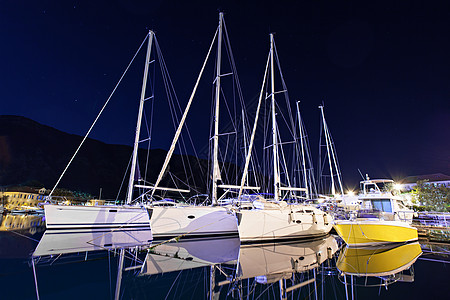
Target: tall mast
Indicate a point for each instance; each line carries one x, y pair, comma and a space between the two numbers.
244, 138
216, 169
302, 146
276, 172
327, 142
139, 120
331, 156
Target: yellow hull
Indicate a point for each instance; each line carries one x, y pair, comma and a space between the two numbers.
379, 261
369, 232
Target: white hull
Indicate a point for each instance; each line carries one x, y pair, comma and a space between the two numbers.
289, 222
165, 222
91, 217
192, 221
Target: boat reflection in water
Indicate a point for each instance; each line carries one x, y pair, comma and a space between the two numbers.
378, 265
214, 268
271, 262
189, 254
58, 247
283, 267
73, 241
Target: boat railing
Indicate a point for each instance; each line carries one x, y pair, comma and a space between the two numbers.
67, 200
404, 215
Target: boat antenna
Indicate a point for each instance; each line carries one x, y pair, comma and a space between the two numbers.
361, 174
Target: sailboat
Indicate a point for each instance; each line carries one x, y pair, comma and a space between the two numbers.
274, 218
190, 220
333, 197
165, 221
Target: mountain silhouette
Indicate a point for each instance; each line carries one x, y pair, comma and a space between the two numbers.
31, 152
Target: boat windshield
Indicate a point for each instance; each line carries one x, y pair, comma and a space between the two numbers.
376, 187
382, 205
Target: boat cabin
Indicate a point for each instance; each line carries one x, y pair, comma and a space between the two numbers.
378, 195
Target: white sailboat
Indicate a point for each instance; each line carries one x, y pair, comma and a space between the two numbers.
333, 196
188, 220
62, 217
269, 219
176, 220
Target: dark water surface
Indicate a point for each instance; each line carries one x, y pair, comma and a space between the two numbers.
87, 265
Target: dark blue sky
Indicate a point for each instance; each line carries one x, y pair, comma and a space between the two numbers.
381, 68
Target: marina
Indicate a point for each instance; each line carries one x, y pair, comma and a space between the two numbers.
124, 265
179, 143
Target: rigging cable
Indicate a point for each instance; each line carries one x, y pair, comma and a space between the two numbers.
98, 116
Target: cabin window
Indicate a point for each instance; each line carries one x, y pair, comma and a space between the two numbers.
382, 205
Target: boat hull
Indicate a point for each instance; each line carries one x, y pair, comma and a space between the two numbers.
165, 222
60, 217
192, 221
357, 233
290, 222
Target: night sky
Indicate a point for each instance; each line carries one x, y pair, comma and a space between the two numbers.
381, 68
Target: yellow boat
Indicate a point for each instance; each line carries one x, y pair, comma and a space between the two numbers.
378, 261
368, 231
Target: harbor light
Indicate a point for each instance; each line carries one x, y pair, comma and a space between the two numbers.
397, 186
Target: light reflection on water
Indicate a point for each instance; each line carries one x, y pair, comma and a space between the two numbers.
125, 265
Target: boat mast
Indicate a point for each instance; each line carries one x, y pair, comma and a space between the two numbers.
276, 172
327, 142
331, 155
216, 170
139, 120
300, 125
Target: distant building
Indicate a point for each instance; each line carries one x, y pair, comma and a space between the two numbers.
408, 183
23, 198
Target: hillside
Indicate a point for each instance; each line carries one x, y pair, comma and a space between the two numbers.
31, 152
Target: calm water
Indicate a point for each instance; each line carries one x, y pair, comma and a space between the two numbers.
87, 265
